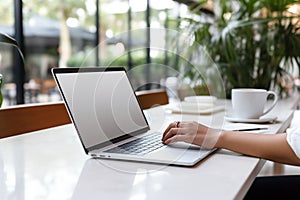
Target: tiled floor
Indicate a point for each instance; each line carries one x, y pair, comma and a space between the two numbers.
277, 169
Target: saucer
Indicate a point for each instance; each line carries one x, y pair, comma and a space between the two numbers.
257, 121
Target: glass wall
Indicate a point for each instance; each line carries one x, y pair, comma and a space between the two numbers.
57, 33
63, 34
6, 26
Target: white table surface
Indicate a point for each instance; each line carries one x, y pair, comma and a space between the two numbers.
51, 164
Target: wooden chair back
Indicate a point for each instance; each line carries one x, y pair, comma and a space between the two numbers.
25, 118
151, 98
20, 119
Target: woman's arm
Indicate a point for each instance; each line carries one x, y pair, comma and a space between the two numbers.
268, 146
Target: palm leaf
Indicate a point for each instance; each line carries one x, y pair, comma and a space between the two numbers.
6, 39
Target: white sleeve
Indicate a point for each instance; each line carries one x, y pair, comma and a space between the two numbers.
293, 139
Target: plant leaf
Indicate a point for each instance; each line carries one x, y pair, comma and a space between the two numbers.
6, 39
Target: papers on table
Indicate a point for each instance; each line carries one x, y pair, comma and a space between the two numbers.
257, 128
196, 105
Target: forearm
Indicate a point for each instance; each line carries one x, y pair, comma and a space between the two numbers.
268, 146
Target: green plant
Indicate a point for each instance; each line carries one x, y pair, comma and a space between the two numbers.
254, 42
6, 39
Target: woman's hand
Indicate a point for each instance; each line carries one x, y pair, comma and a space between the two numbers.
267, 146
191, 132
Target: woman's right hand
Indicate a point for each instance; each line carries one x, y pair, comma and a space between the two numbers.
191, 132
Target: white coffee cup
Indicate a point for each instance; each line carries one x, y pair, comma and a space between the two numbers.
248, 103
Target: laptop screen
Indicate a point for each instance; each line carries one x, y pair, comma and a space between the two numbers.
102, 104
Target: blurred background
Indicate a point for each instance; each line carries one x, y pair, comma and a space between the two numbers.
81, 33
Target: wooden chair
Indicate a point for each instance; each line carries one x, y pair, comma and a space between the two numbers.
151, 98
20, 119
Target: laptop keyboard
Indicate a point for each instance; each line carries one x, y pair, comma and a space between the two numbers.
140, 146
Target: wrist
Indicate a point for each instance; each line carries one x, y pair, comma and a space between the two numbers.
213, 139
221, 138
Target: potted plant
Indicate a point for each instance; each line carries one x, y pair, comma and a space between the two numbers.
254, 43
4, 38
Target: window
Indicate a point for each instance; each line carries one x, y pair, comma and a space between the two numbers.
64, 35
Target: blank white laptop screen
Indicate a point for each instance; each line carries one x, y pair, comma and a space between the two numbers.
102, 104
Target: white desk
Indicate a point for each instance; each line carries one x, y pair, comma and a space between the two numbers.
51, 164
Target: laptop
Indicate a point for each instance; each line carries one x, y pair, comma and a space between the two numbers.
109, 121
